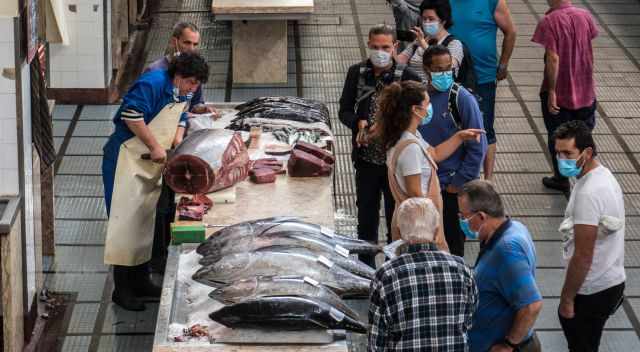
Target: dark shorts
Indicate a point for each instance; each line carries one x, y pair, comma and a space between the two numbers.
487, 93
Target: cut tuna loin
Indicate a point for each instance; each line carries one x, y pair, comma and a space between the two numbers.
303, 164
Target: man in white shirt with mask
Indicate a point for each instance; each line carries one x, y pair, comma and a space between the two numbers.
593, 239
362, 86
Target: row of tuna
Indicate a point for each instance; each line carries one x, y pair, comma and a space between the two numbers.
283, 273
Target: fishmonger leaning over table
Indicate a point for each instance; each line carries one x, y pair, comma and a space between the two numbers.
151, 119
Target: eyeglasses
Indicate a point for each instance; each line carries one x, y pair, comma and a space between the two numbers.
461, 216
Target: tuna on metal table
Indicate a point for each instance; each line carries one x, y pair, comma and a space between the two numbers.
291, 242
265, 263
286, 313
286, 108
299, 227
267, 286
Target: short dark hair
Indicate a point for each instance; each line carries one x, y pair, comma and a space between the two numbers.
179, 27
383, 29
442, 8
189, 65
434, 50
580, 132
483, 197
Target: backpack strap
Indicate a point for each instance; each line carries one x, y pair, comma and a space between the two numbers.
454, 93
448, 40
398, 72
364, 91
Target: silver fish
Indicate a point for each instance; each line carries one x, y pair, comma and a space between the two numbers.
267, 286
286, 313
265, 263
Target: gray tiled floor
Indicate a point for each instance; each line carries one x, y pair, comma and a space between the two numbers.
329, 45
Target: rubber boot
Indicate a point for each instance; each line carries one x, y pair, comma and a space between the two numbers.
144, 286
123, 292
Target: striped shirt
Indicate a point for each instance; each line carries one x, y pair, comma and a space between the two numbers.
415, 54
423, 300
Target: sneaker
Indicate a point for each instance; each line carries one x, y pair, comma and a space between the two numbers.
557, 183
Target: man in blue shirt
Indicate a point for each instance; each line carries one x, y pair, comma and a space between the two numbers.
463, 165
475, 24
505, 273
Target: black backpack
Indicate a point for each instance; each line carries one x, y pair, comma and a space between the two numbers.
453, 105
466, 75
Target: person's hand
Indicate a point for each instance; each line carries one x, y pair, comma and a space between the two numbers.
206, 109
566, 308
470, 134
421, 40
500, 347
374, 131
158, 155
452, 189
502, 72
362, 124
552, 103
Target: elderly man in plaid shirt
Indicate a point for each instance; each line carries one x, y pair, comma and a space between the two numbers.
424, 299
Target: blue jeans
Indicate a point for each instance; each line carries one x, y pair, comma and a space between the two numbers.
487, 93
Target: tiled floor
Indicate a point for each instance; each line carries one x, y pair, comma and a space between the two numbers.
329, 42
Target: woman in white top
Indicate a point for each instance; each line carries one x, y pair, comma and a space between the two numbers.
436, 19
411, 160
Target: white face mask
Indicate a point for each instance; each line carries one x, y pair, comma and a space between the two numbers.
380, 58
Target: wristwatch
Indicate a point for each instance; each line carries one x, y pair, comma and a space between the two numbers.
502, 67
507, 342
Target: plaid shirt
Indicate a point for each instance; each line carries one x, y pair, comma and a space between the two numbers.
422, 301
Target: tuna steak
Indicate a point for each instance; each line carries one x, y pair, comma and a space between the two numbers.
266, 286
207, 160
286, 313
246, 265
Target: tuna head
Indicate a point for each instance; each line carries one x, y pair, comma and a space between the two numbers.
223, 271
236, 291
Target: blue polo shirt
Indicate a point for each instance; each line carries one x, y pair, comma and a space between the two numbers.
505, 274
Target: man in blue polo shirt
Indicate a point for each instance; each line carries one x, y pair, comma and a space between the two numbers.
454, 108
505, 273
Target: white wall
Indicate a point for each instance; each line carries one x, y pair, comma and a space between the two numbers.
81, 63
9, 8
9, 182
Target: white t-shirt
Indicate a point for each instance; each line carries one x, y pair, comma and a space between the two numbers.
595, 195
412, 161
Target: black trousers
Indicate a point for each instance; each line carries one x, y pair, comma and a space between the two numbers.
584, 330
371, 184
552, 122
452, 232
165, 213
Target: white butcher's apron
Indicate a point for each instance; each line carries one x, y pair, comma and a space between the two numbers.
136, 190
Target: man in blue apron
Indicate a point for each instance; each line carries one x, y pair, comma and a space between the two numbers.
151, 119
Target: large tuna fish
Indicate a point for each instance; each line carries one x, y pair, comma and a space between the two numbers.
291, 242
299, 227
286, 313
246, 265
266, 286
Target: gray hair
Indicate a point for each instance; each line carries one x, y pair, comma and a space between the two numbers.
179, 27
483, 197
418, 220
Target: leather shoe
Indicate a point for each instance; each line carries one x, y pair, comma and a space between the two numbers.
127, 301
557, 183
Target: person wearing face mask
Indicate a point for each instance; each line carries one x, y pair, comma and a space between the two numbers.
358, 103
454, 108
435, 20
595, 277
151, 119
411, 161
509, 298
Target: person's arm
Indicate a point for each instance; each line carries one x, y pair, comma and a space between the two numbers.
522, 324
347, 113
503, 19
448, 147
585, 241
142, 131
551, 63
473, 299
377, 317
405, 55
471, 117
413, 183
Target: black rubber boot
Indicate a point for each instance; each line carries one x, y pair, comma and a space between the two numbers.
123, 293
144, 286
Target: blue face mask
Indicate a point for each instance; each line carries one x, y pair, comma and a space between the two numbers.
428, 117
442, 81
569, 167
466, 229
431, 28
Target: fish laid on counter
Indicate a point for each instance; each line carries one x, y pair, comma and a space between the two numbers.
286, 108
267, 286
265, 227
291, 242
265, 263
207, 160
286, 313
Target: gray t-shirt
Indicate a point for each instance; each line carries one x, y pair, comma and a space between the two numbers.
412, 161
